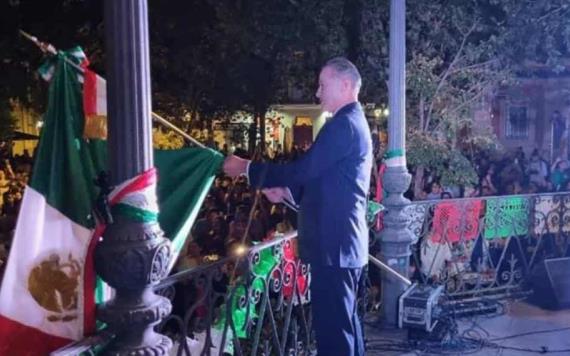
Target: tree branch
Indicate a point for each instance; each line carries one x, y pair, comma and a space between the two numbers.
421, 111
550, 13
467, 102
448, 72
474, 66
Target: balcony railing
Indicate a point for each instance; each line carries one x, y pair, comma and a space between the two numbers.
486, 247
258, 301
254, 302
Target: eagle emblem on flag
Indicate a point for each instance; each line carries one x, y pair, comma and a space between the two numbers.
54, 285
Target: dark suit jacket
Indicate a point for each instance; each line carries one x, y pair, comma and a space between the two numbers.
334, 177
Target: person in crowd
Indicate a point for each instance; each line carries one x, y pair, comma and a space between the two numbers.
204, 230
470, 191
559, 175
487, 186
277, 215
435, 192
558, 123
486, 191
238, 226
12, 200
537, 169
331, 182
511, 172
4, 186
532, 188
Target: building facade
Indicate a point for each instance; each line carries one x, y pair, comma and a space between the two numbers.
532, 114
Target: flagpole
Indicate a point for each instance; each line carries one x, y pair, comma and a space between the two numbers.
44, 47
49, 49
176, 129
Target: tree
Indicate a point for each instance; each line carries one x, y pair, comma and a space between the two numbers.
538, 33
453, 63
211, 58
368, 32
458, 53
7, 121
270, 47
184, 61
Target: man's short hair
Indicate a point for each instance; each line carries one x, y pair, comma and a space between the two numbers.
214, 210
345, 68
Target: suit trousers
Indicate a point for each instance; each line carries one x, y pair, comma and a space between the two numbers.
337, 327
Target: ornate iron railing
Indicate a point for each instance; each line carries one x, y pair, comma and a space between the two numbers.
485, 247
255, 302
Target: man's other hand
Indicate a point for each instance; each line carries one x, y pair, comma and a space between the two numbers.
235, 166
276, 195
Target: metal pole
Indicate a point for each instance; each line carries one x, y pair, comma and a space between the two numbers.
176, 129
133, 255
389, 270
396, 238
551, 140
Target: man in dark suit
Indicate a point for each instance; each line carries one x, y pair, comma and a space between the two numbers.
331, 182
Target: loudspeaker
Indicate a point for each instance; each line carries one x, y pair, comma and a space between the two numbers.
550, 282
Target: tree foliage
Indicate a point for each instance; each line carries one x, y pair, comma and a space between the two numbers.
211, 58
65, 23
459, 52
450, 165
537, 32
7, 121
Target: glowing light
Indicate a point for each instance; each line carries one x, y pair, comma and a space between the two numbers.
39, 124
240, 250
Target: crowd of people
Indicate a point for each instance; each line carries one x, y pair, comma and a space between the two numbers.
505, 174
225, 213
228, 220
234, 215
14, 174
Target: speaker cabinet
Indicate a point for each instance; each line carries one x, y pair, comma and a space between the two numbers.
550, 282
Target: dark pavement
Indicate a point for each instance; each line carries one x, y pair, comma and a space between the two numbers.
523, 329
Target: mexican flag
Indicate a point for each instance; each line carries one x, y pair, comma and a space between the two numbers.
94, 105
47, 297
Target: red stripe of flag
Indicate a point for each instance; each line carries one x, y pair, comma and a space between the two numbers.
144, 180
20, 340
89, 278
89, 93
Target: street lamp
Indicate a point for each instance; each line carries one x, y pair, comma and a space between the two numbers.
396, 238
133, 255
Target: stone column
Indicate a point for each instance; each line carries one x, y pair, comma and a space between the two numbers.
396, 238
133, 256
